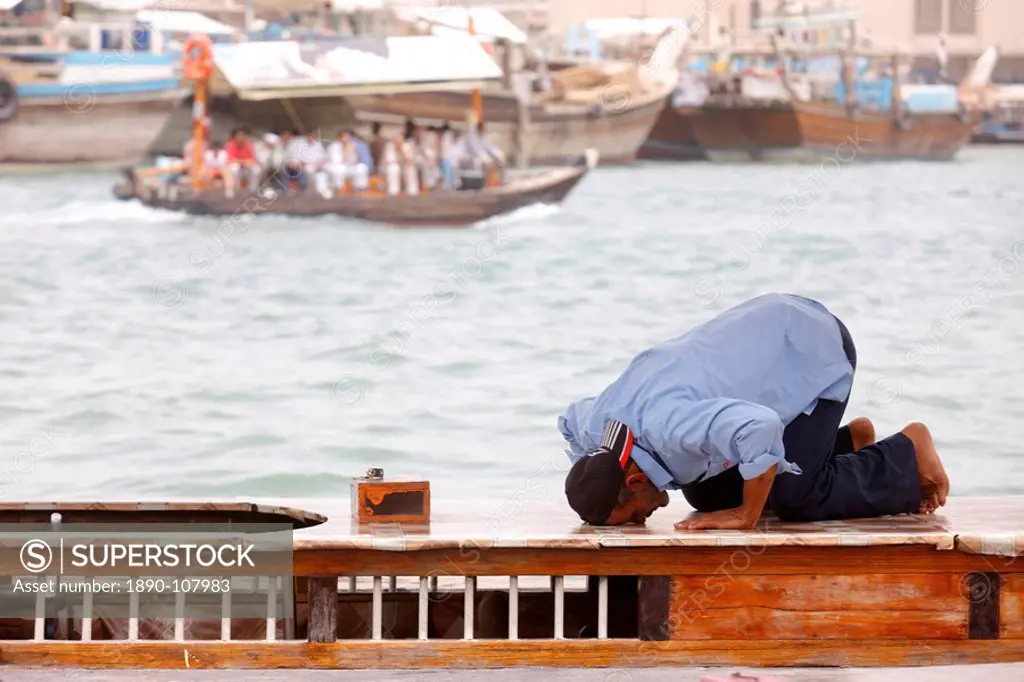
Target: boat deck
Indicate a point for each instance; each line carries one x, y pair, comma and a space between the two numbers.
991, 526
525, 584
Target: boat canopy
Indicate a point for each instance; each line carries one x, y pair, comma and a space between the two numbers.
488, 23
354, 66
184, 22
619, 27
341, 6
119, 5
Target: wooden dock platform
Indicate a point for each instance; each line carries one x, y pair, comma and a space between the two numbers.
957, 673
530, 586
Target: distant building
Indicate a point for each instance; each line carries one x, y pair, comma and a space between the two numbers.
968, 27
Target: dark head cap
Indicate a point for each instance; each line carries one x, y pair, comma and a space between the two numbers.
593, 486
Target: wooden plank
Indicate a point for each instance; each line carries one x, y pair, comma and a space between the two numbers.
654, 597
879, 592
908, 606
772, 624
322, 623
641, 561
411, 654
983, 596
1011, 607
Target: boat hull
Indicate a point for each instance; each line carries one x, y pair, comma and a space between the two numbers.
997, 135
437, 209
556, 134
733, 130
830, 132
673, 137
94, 130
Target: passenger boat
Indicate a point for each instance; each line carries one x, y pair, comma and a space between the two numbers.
531, 587
93, 96
435, 208
196, 195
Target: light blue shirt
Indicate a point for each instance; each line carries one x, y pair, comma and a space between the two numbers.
365, 157
721, 394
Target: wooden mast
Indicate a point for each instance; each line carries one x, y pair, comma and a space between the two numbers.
199, 127
849, 63
897, 97
198, 69
476, 98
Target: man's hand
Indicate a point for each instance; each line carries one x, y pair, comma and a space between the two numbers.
744, 517
726, 519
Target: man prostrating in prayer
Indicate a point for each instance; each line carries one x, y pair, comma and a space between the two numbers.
740, 413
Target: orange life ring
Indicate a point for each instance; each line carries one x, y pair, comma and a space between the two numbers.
197, 57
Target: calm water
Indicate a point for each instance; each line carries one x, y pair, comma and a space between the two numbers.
147, 355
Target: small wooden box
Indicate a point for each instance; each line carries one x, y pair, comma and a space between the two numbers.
390, 500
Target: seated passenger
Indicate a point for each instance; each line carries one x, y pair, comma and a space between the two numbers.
270, 157
477, 156
242, 164
344, 164
447, 155
391, 164
428, 141
410, 161
216, 162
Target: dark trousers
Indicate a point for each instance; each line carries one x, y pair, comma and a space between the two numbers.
836, 483
294, 173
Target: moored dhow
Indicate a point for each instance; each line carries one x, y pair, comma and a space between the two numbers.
872, 120
552, 118
521, 588
87, 94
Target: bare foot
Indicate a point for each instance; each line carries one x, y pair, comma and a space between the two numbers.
862, 432
930, 472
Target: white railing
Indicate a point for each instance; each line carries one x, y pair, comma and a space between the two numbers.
427, 588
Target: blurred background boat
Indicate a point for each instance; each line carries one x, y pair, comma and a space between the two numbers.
81, 82
1004, 119
545, 113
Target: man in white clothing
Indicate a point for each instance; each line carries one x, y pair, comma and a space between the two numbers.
270, 156
343, 164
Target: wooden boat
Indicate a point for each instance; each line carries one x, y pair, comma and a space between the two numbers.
546, 134
875, 119
831, 131
115, 128
436, 208
673, 137
847, 131
1003, 122
97, 106
530, 587
610, 107
741, 112
732, 128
